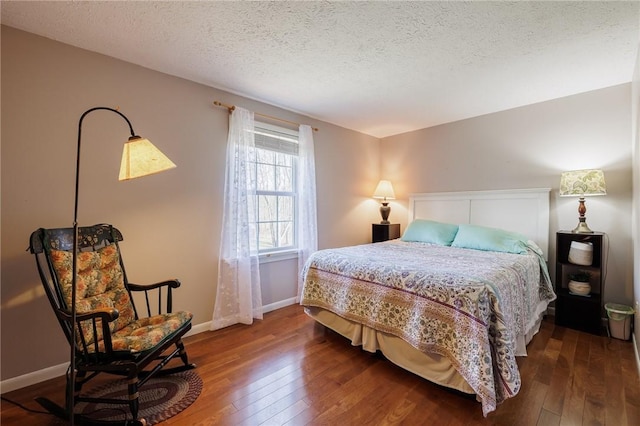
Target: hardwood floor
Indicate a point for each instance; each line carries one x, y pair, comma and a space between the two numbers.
286, 370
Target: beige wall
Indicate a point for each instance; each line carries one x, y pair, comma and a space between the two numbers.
529, 147
171, 221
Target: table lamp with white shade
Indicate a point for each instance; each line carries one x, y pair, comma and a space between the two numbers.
384, 192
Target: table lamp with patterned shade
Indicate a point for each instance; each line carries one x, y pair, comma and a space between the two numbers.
384, 191
582, 183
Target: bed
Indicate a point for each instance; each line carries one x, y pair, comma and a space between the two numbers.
455, 311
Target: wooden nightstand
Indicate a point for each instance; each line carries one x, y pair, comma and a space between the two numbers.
383, 232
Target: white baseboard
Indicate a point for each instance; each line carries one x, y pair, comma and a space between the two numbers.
199, 328
35, 377
280, 304
206, 326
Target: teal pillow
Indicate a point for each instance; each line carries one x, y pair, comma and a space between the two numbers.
489, 239
428, 231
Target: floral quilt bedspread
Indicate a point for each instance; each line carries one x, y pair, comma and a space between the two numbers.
466, 305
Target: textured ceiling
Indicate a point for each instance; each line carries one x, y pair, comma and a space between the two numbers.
381, 68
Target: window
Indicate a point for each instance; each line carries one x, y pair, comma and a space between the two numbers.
275, 164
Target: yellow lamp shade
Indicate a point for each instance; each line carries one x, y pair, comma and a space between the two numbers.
141, 158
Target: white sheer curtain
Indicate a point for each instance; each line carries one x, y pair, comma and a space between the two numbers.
307, 234
238, 294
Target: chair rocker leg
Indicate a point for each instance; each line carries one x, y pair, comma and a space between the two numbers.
183, 353
134, 403
180, 350
63, 412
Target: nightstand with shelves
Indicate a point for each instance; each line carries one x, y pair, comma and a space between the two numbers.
384, 231
572, 310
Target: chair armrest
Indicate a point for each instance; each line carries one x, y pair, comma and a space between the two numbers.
105, 314
174, 283
100, 319
153, 293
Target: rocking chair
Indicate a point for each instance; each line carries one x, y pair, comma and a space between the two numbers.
110, 336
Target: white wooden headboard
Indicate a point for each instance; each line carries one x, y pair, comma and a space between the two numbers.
518, 210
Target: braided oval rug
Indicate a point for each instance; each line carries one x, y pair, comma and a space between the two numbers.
160, 398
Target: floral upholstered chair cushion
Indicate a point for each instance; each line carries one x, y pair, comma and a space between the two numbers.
146, 333
99, 285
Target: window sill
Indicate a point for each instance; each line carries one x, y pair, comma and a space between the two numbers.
278, 256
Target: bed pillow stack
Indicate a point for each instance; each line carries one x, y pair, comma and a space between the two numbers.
465, 236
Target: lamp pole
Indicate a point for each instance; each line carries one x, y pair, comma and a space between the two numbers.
72, 373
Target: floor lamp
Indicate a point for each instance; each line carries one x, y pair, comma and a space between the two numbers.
139, 158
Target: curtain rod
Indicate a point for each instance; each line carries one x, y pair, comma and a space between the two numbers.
270, 117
